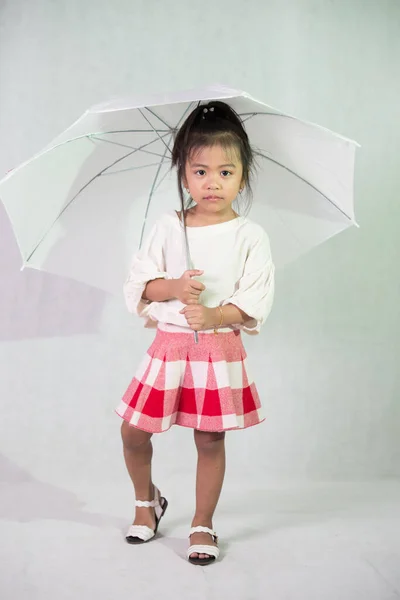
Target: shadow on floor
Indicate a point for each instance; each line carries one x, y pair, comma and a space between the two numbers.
24, 498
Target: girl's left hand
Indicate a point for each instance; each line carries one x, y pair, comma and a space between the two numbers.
199, 317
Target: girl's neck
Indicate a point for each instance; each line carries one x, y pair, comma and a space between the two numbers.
194, 218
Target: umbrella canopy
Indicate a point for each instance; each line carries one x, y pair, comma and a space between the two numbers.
80, 207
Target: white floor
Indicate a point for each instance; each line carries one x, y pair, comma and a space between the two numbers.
333, 541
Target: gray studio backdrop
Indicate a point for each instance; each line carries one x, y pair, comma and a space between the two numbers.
327, 362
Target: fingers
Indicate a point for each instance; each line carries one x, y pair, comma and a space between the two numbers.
191, 296
193, 292
193, 321
196, 285
193, 317
193, 284
190, 299
191, 309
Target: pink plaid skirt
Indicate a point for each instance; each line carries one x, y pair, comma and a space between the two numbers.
204, 386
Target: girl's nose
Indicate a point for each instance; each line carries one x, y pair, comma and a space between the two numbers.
213, 185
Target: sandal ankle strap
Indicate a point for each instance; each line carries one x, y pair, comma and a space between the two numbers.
147, 504
200, 529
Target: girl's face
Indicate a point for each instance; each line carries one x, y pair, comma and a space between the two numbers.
214, 178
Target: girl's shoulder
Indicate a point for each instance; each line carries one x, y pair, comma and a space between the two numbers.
167, 220
252, 230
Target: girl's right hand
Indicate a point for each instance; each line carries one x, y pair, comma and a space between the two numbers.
188, 290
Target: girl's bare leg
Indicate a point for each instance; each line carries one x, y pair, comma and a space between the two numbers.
209, 480
138, 452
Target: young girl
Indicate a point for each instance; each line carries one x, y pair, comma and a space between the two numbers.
197, 380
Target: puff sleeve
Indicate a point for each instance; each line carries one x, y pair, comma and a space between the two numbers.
254, 291
147, 264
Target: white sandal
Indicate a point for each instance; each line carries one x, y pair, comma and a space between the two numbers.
140, 534
212, 551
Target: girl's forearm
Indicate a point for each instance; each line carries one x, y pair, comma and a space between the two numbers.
232, 315
159, 290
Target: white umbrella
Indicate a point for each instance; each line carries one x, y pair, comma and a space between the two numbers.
80, 207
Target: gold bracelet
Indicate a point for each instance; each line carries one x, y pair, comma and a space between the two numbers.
222, 319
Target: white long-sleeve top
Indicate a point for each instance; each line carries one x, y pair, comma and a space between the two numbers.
235, 257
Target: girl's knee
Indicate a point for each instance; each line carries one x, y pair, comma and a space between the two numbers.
134, 438
208, 440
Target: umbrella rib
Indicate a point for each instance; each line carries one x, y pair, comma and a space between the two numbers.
161, 180
247, 117
179, 122
308, 183
77, 194
130, 169
189, 107
151, 195
125, 145
123, 131
155, 131
165, 123
254, 114
171, 129
153, 188
84, 136
157, 117
177, 126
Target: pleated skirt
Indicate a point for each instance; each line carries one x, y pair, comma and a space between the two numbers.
205, 386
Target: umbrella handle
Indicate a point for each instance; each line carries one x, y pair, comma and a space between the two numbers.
189, 265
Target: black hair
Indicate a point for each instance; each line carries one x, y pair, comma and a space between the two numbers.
208, 125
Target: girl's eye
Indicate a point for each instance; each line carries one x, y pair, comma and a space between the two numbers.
202, 171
